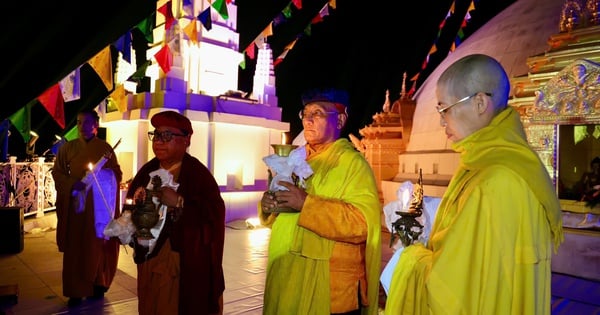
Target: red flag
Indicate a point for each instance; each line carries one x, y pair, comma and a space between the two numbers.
164, 57
53, 102
250, 51
168, 14
318, 18
297, 3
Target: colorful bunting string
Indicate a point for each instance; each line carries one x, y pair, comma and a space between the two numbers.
457, 41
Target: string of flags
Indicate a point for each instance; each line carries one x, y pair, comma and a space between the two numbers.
282, 17
66, 90
457, 40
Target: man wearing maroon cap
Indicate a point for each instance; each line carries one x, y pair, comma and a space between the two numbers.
325, 257
182, 273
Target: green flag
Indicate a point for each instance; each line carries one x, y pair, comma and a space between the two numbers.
71, 134
146, 26
221, 7
22, 120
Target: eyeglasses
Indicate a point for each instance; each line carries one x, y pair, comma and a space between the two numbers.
164, 136
315, 114
442, 110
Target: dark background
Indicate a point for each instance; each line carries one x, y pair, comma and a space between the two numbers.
362, 46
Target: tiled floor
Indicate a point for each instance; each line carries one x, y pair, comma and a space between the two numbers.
37, 272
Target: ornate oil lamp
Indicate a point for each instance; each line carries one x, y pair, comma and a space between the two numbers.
282, 150
407, 228
144, 212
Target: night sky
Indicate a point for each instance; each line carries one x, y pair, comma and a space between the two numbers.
362, 46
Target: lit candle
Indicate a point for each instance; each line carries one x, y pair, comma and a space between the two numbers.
90, 166
128, 201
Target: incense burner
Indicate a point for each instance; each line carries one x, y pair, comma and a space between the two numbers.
144, 213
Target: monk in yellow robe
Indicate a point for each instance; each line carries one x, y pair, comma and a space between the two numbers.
499, 220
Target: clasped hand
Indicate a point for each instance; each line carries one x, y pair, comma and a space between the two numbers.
166, 195
292, 198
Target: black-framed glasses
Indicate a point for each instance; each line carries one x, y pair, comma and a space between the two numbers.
315, 114
442, 110
164, 136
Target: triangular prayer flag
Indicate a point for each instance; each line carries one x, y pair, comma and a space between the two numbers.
260, 41
279, 19
471, 7
316, 19
308, 29
140, 73
413, 88
250, 51
333, 4
191, 31
205, 19
146, 26
164, 57
283, 54
188, 8
452, 7
415, 77
53, 102
277, 61
123, 45
102, 64
324, 11
243, 63
291, 45
287, 11
119, 98
297, 3
221, 7
268, 31
21, 119
433, 49
70, 86
72, 134
168, 14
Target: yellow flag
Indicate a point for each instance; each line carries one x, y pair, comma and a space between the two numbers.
102, 64
118, 98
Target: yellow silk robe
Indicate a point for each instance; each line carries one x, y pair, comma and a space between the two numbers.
312, 265
492, 239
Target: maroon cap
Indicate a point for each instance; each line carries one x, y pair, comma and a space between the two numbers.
172, 119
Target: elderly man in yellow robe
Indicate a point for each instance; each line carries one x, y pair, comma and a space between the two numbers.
498, 222
324, 253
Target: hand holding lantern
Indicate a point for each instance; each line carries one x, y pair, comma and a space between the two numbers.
287, 164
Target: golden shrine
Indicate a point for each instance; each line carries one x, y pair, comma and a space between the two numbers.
387, 137
559, 103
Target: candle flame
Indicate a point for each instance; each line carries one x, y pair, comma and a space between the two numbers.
90, 166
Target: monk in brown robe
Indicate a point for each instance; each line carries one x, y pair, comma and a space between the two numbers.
89, 261
182, 273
